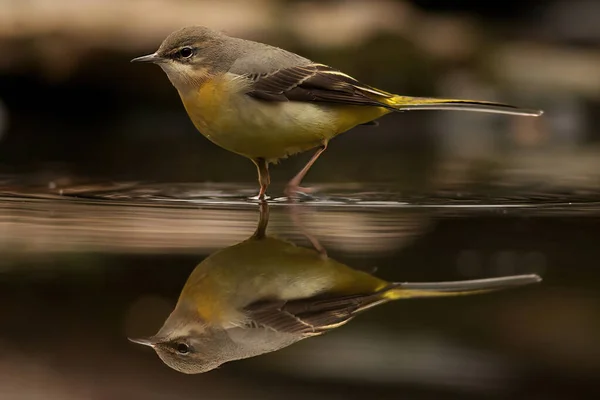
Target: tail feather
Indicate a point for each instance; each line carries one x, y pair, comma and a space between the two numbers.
405, 103
457, 288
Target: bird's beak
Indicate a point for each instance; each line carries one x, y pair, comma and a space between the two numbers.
143, 341
150, 58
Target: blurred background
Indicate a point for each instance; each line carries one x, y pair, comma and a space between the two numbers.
79, 274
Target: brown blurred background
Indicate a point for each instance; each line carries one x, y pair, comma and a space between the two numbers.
77, 277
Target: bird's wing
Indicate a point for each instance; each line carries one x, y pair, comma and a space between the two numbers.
314, 83
277, 75
309, 316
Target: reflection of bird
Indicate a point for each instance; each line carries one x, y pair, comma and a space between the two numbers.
264, 294
266, 103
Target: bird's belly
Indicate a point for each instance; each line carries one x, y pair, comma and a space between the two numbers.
271, 130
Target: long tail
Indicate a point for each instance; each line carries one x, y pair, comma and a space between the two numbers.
458, 288
405, 103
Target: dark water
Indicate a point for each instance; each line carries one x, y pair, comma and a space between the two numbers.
83, 268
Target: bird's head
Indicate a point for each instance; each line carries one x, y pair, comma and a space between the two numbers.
190, 55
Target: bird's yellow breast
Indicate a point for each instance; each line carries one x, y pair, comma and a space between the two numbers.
223, 112
204, 105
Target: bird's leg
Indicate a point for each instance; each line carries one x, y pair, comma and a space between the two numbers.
263, 177
293, 186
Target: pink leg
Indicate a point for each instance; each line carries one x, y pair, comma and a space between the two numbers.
263, 176
293, 186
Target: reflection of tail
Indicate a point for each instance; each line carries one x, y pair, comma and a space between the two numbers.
402, 103
320, 315
441, 289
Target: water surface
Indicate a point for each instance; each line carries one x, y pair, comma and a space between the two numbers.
85, 267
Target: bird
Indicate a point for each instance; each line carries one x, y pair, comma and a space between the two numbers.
265, 293
266, 104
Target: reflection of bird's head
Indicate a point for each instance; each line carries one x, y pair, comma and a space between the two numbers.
187, 343
192, 353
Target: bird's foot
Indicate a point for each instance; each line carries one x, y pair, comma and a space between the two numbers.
260, 198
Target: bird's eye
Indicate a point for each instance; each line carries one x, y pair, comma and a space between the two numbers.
183, 348
186, 52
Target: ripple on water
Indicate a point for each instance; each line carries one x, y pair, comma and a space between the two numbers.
351, 195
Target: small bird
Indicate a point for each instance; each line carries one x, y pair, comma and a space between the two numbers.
266, 103
264, 294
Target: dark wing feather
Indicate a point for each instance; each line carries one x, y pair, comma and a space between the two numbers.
309, 316
314, 83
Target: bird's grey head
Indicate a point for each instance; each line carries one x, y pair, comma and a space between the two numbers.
191, 54
194, 353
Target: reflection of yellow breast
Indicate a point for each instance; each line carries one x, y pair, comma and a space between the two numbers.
222, 112
269, 268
